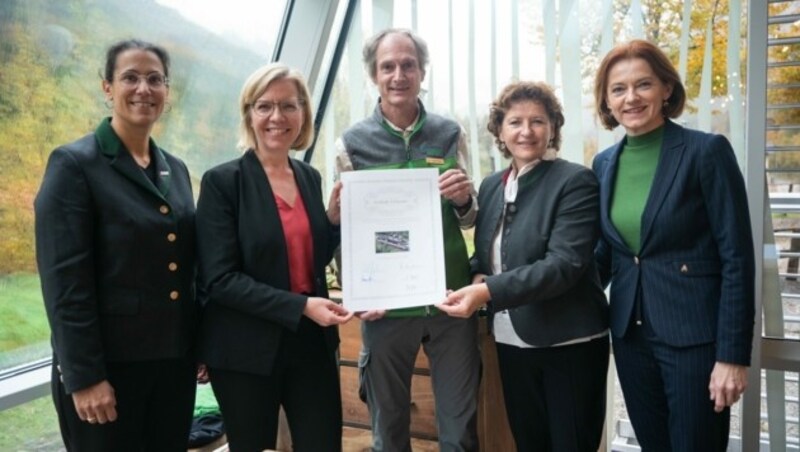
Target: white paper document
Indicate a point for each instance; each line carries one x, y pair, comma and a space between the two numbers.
392, 248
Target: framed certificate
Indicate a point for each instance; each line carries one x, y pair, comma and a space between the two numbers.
392, 247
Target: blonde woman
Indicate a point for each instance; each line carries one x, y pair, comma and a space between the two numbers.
269, 332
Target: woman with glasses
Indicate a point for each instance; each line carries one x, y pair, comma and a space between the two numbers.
115, 246
534, 266
269, 334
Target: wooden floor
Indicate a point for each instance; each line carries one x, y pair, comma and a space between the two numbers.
358, 440
353, 440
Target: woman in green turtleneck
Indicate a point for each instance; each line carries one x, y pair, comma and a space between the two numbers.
677, 247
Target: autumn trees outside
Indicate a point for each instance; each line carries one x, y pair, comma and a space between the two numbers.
49, 84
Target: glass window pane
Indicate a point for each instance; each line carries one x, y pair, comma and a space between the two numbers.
782, 304
52, 55
31, 426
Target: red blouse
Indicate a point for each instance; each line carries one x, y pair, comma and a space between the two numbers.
299, 246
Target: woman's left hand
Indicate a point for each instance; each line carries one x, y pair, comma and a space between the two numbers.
728, 382
325, 312
335, 204
465, 301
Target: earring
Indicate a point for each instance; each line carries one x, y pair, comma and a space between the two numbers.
109, 103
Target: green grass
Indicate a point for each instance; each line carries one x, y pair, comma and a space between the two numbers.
24, 333
32, 426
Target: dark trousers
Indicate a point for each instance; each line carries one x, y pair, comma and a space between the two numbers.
305, 381
666, 393
555, 396
386, 364
155, 401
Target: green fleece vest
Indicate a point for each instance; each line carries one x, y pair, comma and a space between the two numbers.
374, 144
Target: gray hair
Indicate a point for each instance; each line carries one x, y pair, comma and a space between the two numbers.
371, 49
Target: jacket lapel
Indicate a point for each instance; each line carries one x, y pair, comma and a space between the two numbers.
672, 150
163, 170
495, 204
268, 217
316, 218
122, 161
261, 186
125, 164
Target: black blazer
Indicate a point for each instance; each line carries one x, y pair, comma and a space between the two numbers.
116, 257
244, 266
549, 279
695, 271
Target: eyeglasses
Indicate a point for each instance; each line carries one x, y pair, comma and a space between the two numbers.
154, 80
266, 108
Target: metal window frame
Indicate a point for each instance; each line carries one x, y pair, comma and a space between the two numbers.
756, 188
769, 354
24, 383
333, 69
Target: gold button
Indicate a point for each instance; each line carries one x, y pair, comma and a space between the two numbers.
173, 295
164, 209
171, 237
173, 266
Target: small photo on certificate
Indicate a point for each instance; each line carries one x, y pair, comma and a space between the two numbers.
392, 248
391, 242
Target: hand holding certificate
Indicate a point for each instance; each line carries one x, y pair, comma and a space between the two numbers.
392, 247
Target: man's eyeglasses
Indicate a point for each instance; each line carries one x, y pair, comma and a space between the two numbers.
154, 79
266, 108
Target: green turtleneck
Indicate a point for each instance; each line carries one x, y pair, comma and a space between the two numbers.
635, 171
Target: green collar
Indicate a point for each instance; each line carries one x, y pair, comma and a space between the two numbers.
423, 115
650, 138
121, 160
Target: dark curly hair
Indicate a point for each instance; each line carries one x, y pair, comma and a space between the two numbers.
515, 92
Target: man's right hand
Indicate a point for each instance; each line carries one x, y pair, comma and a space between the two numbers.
96, 404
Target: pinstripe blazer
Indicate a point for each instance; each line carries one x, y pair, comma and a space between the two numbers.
694, 274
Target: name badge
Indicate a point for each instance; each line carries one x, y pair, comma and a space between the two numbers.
434, 160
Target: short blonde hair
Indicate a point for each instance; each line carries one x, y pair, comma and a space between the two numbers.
255, 86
